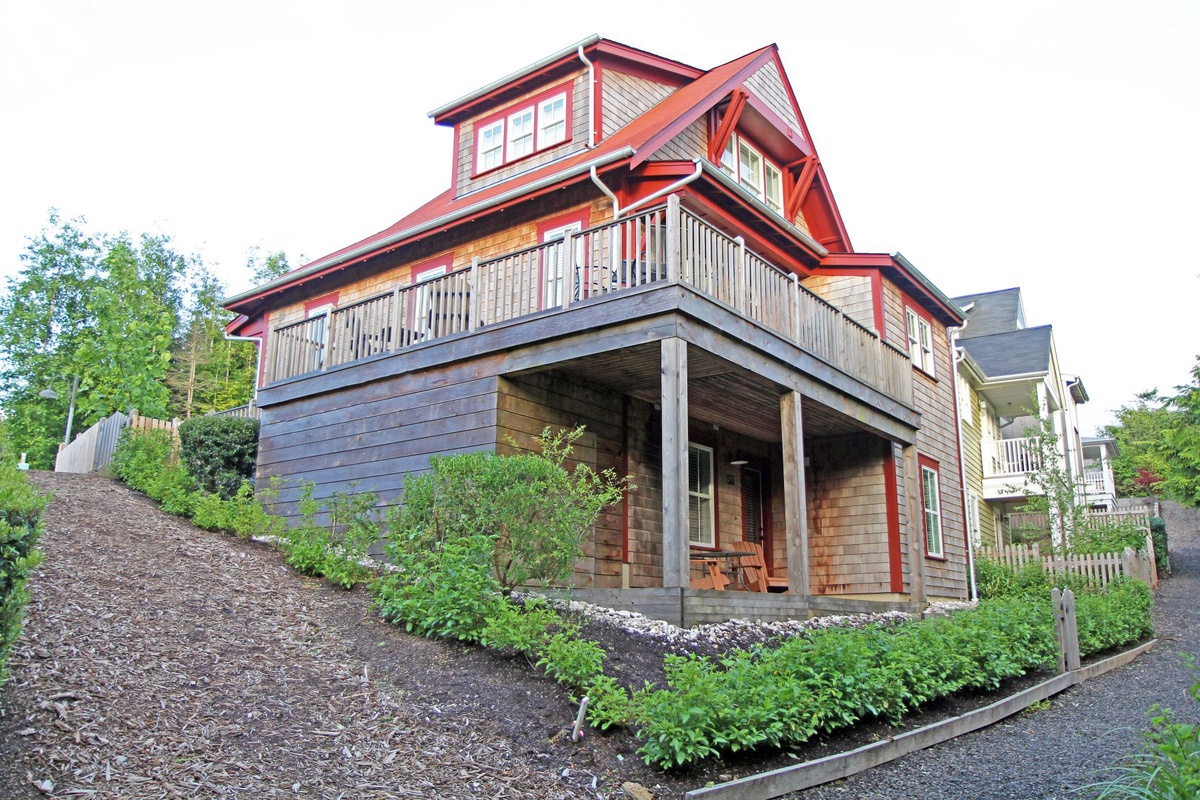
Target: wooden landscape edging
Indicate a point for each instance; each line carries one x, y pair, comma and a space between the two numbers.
778, 782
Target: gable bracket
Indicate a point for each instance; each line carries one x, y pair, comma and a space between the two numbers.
737, 102
808, 171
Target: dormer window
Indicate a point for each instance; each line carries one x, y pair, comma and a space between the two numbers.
523, 129
744, 163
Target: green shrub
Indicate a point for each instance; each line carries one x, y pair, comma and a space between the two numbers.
524, 630
336, 549
1111, 538
219, 452
140, 459
21, 509
1162, 555
573, 662
1113, 617
833, 678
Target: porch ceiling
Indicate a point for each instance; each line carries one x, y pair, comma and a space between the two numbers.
719, 391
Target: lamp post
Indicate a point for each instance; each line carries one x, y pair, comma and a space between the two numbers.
50, 394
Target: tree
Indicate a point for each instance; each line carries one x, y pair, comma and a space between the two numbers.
1052, 489
1181, 442
44, 320
208, 372
264, 269
1140, 468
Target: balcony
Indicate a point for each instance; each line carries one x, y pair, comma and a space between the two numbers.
1007, 464
667, 245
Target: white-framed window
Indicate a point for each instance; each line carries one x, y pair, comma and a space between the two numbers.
920, 340
552, 121
701, 521
520, 134
773, 187
963, 389
746, 164
318, 334
750, 168
973, 527
491, 146
522, 130
556, 264
931, 499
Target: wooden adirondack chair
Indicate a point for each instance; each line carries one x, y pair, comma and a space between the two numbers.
715, 579
754, 568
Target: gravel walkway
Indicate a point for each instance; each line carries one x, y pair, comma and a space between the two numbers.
1050, 754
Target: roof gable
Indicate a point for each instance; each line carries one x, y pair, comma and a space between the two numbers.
992, 312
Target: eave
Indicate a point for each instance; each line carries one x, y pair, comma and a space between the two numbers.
902, 271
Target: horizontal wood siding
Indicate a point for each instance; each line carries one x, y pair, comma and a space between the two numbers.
937, 438
851, 293
627, 97
528, 405
847, 515
972, 432
377, 433
767, 85
466, 140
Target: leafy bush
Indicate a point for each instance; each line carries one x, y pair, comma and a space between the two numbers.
1162, 555
833, 678
338, 548
478, 524
1113, 538
242, 514
219, 452
21, 509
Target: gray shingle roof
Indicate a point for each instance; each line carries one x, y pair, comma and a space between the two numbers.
992, 312
1012, 352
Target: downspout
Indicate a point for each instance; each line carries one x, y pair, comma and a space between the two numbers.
591, 101
618, 211
258, 343
959, 354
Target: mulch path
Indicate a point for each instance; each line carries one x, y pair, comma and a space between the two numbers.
161, 661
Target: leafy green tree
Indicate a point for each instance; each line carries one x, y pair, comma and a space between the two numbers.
264, 269
135, 309
208, 372
1181, 442
1140, 433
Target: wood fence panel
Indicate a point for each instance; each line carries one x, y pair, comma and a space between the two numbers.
1096, 568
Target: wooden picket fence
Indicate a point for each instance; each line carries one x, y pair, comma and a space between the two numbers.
1098, 568
92, 450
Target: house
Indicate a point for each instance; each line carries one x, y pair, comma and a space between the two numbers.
653, 251
1099, 483
1009, 379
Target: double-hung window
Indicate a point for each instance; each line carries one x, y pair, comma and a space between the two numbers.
744, 163
701, 522
920, 340
523, 129
931, 500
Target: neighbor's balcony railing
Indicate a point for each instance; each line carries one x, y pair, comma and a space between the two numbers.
664, 245
1097, 482
1011, 456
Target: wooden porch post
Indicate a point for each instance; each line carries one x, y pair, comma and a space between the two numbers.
916, 525
794, 504
676, 566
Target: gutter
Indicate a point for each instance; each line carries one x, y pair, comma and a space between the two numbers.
928, 284
482, 205
542, 62
591, 100
729, 183
960, 355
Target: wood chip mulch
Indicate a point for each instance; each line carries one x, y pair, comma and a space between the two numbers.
158, 661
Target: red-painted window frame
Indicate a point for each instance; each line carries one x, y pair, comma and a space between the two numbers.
927, 463
566, 88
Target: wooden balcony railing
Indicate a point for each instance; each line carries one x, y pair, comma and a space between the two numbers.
664, 245
1011, 456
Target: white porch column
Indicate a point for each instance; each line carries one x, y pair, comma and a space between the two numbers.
916, 525
676, 566
794, 504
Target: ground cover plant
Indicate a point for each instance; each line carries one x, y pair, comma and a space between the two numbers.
21, 509
460, 539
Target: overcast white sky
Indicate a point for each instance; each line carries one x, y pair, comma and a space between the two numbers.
1050, 145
